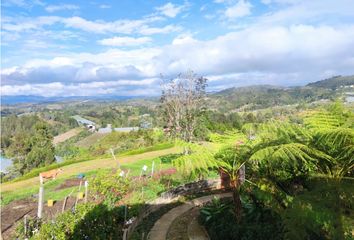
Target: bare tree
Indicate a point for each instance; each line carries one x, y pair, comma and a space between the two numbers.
183, 102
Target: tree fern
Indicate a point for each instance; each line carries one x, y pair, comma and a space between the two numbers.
317, 120
291, 159
198, 160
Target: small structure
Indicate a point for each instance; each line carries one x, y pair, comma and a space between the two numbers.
91, 126
109, 129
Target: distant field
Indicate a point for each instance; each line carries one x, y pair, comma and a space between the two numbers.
65, 136
90, 140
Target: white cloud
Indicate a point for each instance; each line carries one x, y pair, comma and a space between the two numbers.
125, 41
145, 30
279, 55
104, 6
170, 10
280, 1
54, 8
298, 41
241, 9
124, 26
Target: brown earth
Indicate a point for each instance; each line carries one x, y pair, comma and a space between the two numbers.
72, 182
65, 136
16, 210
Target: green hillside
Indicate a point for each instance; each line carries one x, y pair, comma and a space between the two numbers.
334, 82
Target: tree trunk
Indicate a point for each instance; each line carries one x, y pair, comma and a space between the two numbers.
237, 199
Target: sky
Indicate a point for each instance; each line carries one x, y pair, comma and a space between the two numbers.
125, 47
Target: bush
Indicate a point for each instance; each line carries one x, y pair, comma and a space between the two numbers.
109, 187
32, 226
87, 222
258, 222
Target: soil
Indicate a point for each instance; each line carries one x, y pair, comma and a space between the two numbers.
65, 136
72, 182
179, 228
16, 210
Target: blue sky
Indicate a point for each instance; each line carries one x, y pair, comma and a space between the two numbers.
87, 48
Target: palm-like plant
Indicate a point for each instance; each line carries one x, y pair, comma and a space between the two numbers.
231, 160
282, 151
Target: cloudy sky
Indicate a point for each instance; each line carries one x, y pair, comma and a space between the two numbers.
102, 47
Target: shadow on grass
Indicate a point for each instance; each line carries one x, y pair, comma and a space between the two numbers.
169, 158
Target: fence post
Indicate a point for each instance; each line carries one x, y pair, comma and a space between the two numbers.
40, 200
152, 168
64, 203
86, 191
25, 224
125, 214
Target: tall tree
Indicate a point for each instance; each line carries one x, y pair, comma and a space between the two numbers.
42, 149
183, 102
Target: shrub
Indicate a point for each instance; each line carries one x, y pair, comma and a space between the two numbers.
109, 186
258, 222
87, 222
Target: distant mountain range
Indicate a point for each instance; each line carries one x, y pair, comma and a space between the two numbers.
239, 96
39, 99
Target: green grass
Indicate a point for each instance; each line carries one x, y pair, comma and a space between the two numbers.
51, 193
61, 194
161, 146
49, 187
35, 172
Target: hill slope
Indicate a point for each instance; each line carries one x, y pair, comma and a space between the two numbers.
334, 82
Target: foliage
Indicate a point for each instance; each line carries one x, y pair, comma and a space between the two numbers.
259, 222
32, 151
88, 221
322, 212
334, 82
260, 97
32, 226
288, 161
109, 186
214, 211
198, 160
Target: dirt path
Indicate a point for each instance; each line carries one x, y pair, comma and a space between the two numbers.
87, 166
188, 220
162, 226
65, 136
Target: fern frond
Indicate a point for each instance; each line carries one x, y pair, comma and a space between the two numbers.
317, 120
291, 155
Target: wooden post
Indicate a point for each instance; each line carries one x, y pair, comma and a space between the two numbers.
114, 156
125, 214
141, 173
25, 224
80, 186
86, 191
66, 198
152, 168
40, 200
64, 203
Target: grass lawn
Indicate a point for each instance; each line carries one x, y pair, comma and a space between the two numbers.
26, 188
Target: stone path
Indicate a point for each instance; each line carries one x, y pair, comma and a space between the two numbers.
161, 227
195, 230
